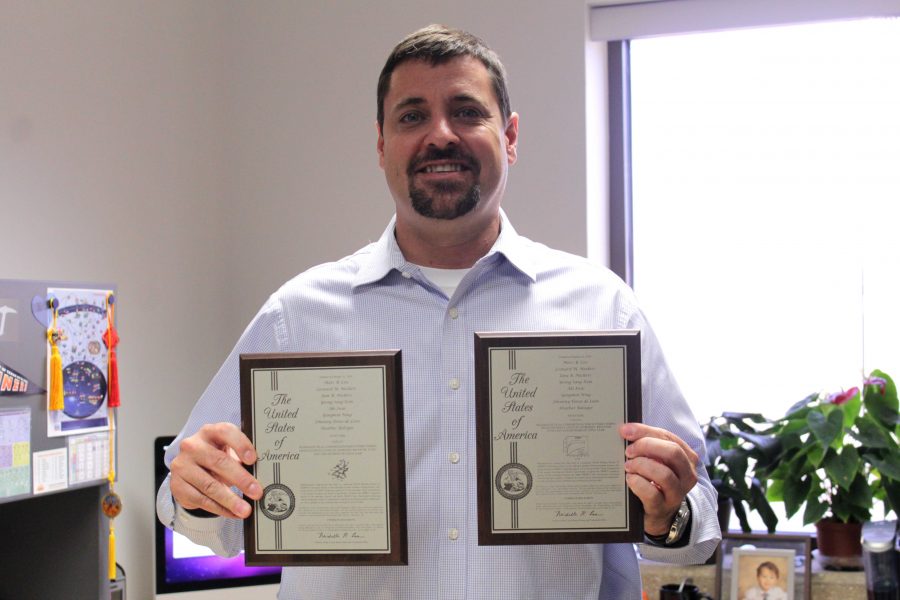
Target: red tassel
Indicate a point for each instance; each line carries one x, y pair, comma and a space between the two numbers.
111, 339
113, 379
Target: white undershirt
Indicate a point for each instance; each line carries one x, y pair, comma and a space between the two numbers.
446, 279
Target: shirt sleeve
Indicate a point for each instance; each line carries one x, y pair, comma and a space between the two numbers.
664, 406
223, 536
220, 403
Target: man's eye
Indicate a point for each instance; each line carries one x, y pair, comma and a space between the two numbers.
410, 117
469, 113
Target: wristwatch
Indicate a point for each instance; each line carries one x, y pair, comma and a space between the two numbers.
679, 525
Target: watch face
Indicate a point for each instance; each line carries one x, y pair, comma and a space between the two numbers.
678, 525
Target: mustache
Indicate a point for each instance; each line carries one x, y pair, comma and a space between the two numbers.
451, 153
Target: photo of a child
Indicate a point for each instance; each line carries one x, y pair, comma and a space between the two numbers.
767, 580
763, 574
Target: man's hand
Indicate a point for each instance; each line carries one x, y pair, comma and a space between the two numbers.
660, 470
208, 465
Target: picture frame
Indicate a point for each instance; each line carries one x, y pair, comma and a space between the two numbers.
328, 431
748, 561
550, 461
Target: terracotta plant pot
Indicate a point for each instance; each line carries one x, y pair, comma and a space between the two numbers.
835, 538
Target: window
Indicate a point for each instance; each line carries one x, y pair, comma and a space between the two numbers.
765, 204
766, 197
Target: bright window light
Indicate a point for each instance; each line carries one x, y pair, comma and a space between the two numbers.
766, 208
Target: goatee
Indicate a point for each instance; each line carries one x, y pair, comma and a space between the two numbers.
446, 200
425, 205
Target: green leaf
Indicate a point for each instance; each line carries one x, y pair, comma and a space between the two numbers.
860, 514
790, 443
737, 417
860, 493
728, 442
775, 491
870, 433
826, 429
725, 491
741, 513
815, 510
842, 467
795, 491
739, 420
762, 506
815, 456
799, 406
794, 425
713, 451
892, 489
882, 406
888, 467
737, 470
840, 509
851, 410
779, 472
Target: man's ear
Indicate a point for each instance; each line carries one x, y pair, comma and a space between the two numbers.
512, 137
379, 145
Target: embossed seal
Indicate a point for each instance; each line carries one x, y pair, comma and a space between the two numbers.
277, 501
513, 481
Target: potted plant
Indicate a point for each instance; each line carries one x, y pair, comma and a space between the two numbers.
733, 446
837, 454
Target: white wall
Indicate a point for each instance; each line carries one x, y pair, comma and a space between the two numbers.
198, 153
304, 182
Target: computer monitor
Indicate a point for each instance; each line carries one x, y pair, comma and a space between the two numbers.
182, 566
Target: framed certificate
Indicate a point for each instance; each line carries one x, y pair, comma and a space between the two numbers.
328, 432
551, 463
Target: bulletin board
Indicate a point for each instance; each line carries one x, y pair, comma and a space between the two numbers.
45, 451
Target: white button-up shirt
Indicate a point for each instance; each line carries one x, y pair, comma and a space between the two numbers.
375, 299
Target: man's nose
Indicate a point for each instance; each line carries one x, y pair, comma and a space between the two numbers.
441, 133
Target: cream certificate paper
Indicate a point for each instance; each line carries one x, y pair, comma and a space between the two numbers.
555, 453
321, 440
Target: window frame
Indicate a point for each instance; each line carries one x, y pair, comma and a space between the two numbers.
617, 23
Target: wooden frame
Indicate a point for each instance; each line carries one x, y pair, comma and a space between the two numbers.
550, 459
328, 430
791, 554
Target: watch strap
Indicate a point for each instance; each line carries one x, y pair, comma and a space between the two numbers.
679, 531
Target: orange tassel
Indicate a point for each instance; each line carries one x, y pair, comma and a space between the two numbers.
112, 552
56, 375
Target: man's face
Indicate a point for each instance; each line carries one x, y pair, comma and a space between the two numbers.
766, 578
444, 147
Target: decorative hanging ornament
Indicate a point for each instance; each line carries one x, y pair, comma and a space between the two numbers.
55, 392
111, 339
111, 504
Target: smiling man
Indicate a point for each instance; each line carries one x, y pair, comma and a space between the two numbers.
449, 264
445, 145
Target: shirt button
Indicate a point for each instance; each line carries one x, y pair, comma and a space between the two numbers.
454, 384
407, 275
454, 313
454, 457
453, 534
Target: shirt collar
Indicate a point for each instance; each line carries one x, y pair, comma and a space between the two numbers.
384, 255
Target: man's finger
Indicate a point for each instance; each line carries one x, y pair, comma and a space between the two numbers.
195, 487
665, 452
227, 435
636, 431
190, 497
661, 477
206, 451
